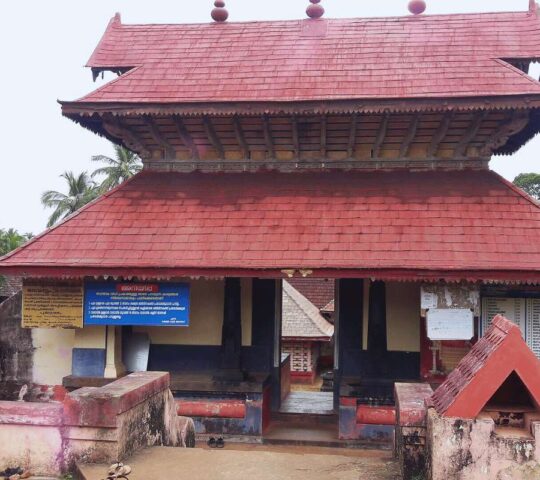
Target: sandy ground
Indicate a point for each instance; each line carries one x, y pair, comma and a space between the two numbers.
256, 462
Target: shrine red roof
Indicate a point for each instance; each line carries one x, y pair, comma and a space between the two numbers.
499, 353
461, 224
412, 57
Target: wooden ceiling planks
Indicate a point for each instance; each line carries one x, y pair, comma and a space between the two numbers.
328, 138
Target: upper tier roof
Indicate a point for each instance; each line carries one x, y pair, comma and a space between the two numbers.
390, 225
413, 57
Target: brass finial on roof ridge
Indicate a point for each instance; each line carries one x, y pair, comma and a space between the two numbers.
219, 13
315, 10
417, 7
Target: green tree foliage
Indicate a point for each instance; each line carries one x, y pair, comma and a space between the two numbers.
124, 165
530, 182
81, 189
11, 239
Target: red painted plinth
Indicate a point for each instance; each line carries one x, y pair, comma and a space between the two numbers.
212, 408
368, 415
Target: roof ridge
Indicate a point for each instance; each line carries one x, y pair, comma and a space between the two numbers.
69, 217
406, 17
314, 315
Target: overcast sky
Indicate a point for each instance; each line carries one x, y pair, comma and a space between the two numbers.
44, 45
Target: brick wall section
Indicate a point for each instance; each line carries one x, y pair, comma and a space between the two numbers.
411, 430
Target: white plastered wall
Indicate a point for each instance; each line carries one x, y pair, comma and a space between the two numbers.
52, 355
402, 316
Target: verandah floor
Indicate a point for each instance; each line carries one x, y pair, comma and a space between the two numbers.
314, 403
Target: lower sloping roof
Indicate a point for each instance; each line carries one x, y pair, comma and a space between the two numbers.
501, 352
425, 225
301, 318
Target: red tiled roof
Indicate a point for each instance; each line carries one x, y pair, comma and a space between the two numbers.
468, 224
483, 370
425, 56
319, 291
301, 318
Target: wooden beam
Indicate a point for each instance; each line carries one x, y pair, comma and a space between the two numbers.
409, 138
440, 134
296, 140
240, 138
212, 137
268, 137
472, 131
186, 137
507, 129
381, 136
170, 151
324, 131
352, 136
114, 126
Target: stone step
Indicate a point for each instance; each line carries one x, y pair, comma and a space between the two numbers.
306, 418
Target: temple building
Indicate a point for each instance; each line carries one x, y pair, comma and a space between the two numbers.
353, 150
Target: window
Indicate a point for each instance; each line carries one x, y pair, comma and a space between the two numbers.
524, 312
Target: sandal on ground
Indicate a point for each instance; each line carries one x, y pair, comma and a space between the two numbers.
220, 443
212, 442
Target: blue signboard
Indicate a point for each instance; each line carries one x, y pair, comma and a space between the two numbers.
148, 304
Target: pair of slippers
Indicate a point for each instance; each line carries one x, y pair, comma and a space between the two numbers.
213, 443
118, 470
15, 473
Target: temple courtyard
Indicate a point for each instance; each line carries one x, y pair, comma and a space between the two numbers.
238, 462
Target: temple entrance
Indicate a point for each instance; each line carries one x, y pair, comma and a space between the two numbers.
306, 413
307, 338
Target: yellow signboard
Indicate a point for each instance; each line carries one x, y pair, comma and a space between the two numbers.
58, 306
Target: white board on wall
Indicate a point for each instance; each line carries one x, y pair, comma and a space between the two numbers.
450, 324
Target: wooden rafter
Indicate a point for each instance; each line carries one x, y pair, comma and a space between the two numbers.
409, 138
440, 135
186, 138
240, 138
117, 129
352, 136
268, 137
381, 135
324, 132
158, 137
507, 129
212, 137
471, 132
295, 137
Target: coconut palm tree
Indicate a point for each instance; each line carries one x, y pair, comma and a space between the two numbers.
124, 165
81, 190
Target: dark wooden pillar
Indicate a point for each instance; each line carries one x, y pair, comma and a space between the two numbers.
377, 337
231, 337
266, 331
349, 298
